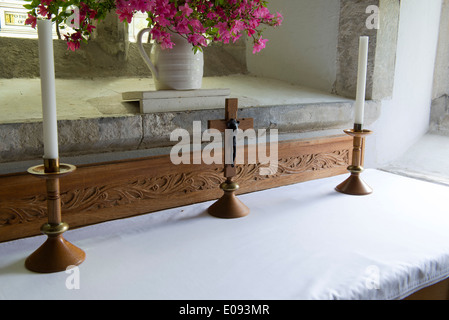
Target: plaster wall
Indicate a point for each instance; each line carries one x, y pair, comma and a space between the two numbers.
303, 50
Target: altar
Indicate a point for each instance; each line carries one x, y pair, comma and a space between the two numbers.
303, 241
292, 226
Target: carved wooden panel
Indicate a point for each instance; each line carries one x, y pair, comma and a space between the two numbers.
106, 191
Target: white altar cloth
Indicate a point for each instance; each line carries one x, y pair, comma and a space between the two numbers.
303, 241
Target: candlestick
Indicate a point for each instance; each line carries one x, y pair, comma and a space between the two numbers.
361, 80
56, 253
354, 185
48, 90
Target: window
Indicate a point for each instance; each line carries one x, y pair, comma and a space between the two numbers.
13, 16
138, 23
12, 20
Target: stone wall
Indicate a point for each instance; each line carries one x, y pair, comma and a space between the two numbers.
353, 25
20, 60
382, 47
108, 54
439, 115
439, 118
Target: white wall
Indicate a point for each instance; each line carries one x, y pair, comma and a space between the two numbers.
405, 118
303, 50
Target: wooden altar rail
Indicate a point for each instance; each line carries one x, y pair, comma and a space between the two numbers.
100, 192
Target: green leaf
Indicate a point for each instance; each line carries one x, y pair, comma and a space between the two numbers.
197, 48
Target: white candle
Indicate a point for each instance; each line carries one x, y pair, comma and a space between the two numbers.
361, 80
48, 91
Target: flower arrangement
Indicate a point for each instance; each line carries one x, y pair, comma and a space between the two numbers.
199, 21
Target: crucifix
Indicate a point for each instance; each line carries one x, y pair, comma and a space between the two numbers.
229, 206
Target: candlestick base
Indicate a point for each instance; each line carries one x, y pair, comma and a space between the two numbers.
354, 185
56, 253
228, 206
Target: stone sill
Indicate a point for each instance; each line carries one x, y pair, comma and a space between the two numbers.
94, 98
93, 119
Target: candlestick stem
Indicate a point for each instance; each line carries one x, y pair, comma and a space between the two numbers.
354, 185
56, 253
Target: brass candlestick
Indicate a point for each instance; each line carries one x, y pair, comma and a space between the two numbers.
354, 185
56, 253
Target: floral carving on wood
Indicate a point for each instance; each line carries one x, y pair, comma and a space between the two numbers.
24, 210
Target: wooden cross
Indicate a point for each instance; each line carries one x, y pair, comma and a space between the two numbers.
228, 206
231, 109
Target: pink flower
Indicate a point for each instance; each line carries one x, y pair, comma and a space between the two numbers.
157, 35
71, 45
197, 26
32, 20
42, 10
222, 27
253, 23
182, 26
167, 43
224, 33
186, 10
198, 20
262, 13
259, 44
211, 15
162, 37
251, 32
236, 38
162, 21
125, 14
279, 19
197, 40
74, 41
90, 28
142, 5
92, 14
238, 27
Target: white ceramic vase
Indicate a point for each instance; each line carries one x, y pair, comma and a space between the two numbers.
173, 69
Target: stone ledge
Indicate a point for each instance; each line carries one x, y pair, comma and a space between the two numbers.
98, 121
96, 98
23, 141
